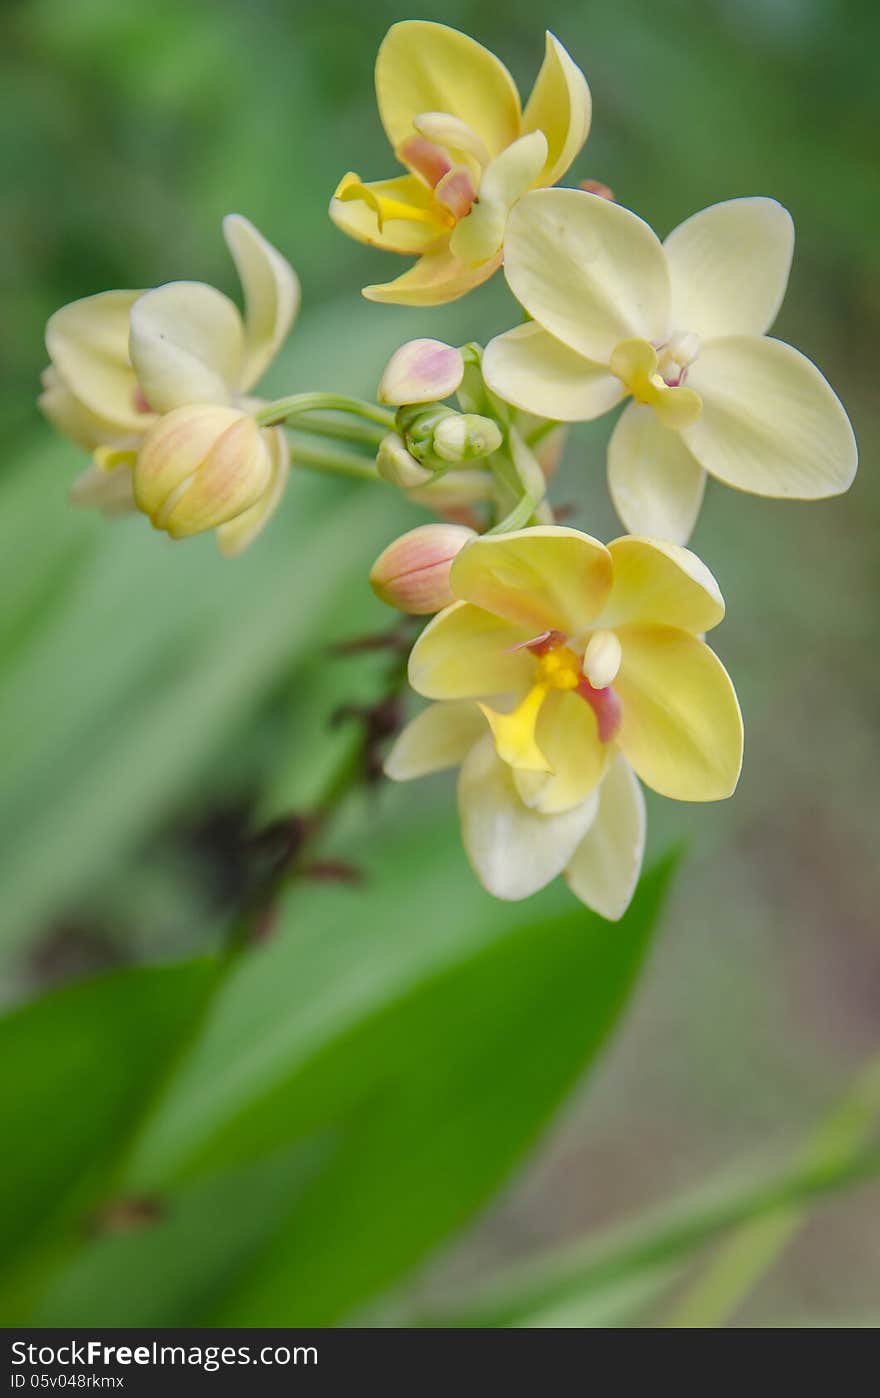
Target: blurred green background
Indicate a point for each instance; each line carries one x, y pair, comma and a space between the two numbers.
157, 701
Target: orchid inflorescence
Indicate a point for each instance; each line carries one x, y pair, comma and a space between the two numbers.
562, 672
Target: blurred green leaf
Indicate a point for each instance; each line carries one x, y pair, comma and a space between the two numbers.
85, 1062
425, 1086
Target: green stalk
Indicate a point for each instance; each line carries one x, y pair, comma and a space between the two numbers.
745, 1257
361, 433
332, 463
273, 414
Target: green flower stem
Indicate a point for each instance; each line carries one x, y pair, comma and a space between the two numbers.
273, 414
332, 463
361, 433
517, 519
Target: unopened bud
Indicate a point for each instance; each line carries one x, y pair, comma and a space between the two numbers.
200, 466
422, 371
417, 424
395, 465
466, 437
412, 574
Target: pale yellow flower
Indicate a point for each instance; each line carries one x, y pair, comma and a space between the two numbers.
681, 327
453, 116
575, 650
122, 359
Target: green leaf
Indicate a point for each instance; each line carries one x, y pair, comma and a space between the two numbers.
427, 1091
80, 1066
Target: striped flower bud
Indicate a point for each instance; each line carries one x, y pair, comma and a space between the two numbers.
199, 467
412, 574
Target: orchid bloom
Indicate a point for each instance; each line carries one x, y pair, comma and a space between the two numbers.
452, 114
562, 665
122, 359
681, 328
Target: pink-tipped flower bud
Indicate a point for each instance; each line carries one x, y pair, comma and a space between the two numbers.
422, 371
412, 574
200, 466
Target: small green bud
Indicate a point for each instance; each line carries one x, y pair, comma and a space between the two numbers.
466, 437
395, 465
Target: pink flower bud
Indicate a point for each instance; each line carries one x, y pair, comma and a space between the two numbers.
412, 574
421, 371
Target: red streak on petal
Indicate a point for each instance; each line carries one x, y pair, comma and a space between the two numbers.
457, 192
605, 705
426, 159
140, 402
539, 645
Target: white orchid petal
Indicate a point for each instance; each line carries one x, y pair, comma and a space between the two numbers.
770, 423
514, 851
605, 868
440, 736
655, 482
534, 371
587, 270
729, 267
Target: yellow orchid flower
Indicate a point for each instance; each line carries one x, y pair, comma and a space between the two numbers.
123, 359
681, 328
576, 651
514, 849
452, 114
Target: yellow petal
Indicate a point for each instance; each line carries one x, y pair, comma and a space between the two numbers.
239, 533
681, 728
560, 106
436, 278
480, 234
427, 67
271, 296
635, 362
88, 345
587, 270
465, 653
770, 424
605, 867
513, 850
655, 482
546, 578
440, 736
663, 583
71, 416
187, 343
111, 492
526, 366
729, 267
568, 737
396, 215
